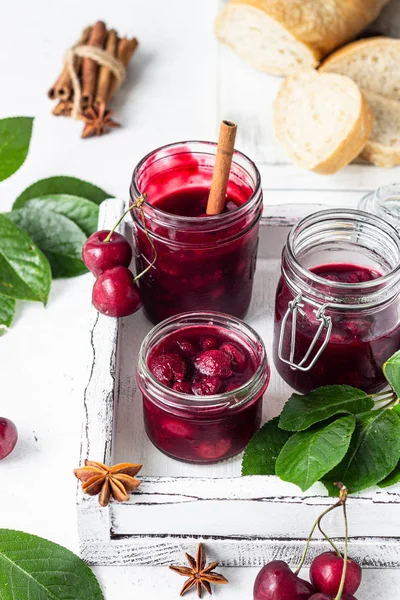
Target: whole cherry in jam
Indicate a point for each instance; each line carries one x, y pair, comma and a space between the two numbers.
276, 581
115, 293
182, 363
8, 437
326, 574
100, 253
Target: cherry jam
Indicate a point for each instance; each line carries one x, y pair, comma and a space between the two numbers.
203, 377
203, 262
360, 342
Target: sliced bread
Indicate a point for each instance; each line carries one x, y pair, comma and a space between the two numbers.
322, 120
373, 64
383, 147
281, 36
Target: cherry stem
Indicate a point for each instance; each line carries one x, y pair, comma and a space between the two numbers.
139, 205
150, 242
346, 550
304, 555
328, 539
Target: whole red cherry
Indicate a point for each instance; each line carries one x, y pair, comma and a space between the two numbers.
99, 255
8, 437
115, 294
321, 596
326, 574
276, 581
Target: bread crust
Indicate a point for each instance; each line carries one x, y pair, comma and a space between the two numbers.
321, 26
354, 48
347, 149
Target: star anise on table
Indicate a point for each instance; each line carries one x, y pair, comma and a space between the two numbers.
98, 120
198, 574
117, 481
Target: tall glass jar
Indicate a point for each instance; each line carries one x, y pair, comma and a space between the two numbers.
202, 429
337, 311
384, 202
203, 263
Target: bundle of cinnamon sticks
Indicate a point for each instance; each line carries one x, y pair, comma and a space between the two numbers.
97, 83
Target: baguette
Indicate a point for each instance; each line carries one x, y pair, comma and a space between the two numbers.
373, 64
282, 36
322, 120
383, 147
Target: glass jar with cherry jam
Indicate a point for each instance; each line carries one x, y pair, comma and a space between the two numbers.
337, 311
204, 262
202, 376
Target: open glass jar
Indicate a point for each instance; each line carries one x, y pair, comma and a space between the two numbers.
384, 202
337, 310
203, 262
210, 427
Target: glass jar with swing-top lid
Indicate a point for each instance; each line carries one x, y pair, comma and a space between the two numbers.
337, 309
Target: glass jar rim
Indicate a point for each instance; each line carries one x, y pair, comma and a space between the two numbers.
357, 216
184, 401
212, 219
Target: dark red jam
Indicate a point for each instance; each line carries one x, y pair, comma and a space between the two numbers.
360, 342
204, 263
200, 361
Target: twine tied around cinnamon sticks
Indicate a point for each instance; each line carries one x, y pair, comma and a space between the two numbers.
94, 69
103, 58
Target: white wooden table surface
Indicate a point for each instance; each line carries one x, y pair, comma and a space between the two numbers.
171, 95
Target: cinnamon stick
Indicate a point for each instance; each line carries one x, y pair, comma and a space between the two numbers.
63, 86
63, 108
222, 167
89, 66
125, 50
105, 75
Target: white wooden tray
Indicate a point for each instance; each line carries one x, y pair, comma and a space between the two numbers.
246, 520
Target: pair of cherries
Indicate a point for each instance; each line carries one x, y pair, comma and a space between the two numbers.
108, 255
276, 581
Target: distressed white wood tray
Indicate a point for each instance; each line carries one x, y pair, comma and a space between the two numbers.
245, 520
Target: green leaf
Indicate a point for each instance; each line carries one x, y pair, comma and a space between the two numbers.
24, 271
391, 370
263, 449
7, 310
58, 238
32, 568
308, 455
62, 185
392, 478
373, 453
15, 136
300, 412
82, 212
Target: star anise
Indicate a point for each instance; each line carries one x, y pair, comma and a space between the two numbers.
198, 574
117, 481
98, 120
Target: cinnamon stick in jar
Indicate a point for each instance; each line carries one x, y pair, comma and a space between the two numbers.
105, 75
125, 50
90, 67
222, 168
62, 88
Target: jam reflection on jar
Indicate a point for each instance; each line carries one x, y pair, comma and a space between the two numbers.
202, 376
204, 262
337, 310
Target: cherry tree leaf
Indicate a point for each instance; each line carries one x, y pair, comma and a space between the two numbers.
260, 455
309, 455
7, 310
58, 238
32, 568
24, 270
62, 185
300, 412
82, 212
15, 137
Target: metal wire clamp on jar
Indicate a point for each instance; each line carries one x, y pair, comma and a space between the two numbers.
329, 331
